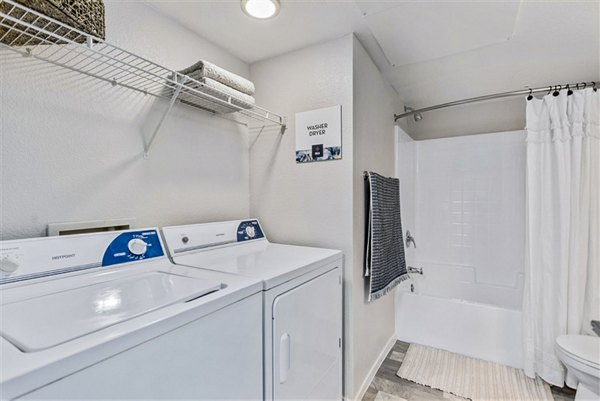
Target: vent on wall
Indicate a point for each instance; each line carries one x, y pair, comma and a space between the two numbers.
86, 227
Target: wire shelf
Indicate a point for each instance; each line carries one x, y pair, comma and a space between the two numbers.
35, 35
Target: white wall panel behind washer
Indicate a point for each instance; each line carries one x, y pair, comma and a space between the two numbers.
72, 146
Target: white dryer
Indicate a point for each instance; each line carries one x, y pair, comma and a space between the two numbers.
302, 301
108, 316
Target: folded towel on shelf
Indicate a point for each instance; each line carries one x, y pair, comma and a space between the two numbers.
213, 96
205, 104
205, 69
222, 92
385, 264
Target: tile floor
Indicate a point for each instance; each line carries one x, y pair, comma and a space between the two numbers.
386, 386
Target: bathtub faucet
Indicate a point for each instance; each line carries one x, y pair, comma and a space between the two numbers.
415, 270
409, 239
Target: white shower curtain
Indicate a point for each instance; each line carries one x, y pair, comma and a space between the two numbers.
562, 266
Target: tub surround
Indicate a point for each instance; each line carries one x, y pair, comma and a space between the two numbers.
477, 330
470, 217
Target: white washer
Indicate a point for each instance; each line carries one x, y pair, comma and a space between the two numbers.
109, 316
302, 301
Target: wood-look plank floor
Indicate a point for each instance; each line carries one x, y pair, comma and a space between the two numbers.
387, 386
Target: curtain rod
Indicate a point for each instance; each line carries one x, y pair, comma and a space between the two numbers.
521, 92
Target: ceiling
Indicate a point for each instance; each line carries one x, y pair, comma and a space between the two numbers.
430, 51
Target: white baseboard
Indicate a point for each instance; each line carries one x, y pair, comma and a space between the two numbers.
373, 371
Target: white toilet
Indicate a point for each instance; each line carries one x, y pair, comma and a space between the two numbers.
581, 356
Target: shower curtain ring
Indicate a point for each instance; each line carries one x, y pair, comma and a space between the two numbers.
557, 91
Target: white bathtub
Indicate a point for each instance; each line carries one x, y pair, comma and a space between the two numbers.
477, 330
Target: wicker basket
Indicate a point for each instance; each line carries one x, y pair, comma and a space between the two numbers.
84, 15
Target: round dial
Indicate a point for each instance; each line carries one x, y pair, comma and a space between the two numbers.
9, 264
137, 246
250, 231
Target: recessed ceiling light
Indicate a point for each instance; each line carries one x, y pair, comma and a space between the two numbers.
261, 9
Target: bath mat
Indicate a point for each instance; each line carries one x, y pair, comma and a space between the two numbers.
469, 377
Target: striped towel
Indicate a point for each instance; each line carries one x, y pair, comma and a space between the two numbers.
385, 265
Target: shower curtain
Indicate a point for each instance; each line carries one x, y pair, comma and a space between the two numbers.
562, 266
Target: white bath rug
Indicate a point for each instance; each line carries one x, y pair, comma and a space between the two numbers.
469, 377
383, 396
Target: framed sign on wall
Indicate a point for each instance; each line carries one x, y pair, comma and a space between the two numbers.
319, 135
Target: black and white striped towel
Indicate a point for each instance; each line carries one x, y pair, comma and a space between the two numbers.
385, 264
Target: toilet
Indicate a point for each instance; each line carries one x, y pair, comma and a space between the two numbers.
581, 355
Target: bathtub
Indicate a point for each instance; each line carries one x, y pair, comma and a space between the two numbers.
477, 330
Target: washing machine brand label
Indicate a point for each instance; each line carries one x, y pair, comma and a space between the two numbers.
60, 257
16, 248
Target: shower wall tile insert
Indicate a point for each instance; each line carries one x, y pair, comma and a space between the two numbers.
470, 214
406, 171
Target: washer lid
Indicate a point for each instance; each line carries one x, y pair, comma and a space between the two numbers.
581, 347
49, 320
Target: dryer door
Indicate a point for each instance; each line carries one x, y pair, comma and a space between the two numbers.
307, 330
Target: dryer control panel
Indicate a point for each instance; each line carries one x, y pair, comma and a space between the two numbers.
47, 256
180, 239
249, 230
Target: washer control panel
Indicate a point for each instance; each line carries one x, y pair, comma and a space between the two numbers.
48, 256
133, 245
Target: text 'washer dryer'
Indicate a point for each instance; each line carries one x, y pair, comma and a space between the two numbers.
302, 301
108, 316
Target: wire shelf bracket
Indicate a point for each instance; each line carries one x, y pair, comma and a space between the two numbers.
163, 117
38, 36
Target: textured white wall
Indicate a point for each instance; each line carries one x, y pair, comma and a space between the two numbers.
72, 146
305, 204
470, 222
322, 204
375, 102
